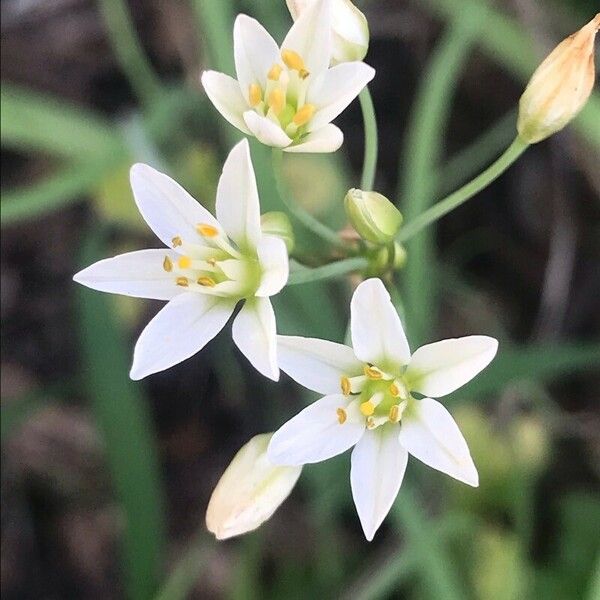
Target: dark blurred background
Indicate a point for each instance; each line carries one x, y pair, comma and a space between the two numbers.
105, 481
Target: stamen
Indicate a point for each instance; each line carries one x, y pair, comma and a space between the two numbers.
373, 372
394, 415
398, 390
206, 230
184, 262
182, 281
206, 281
176, 241
370, 423
303, 73
304, 115
274, 72
276, 101
167, 264
345, 384
254, 94
293, 60
341, 415
367, 408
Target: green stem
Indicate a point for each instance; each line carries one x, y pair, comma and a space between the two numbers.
341, 267
370, 123
467, 191
310, 222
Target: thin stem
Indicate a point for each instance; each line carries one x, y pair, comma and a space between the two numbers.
340, 267
297, 211
467, 191
370, 124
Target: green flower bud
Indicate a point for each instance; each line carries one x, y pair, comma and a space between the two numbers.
373, 216
278, 224
383, 260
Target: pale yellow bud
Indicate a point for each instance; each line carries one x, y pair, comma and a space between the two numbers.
278, 224
373, 216
250, 490
560, 86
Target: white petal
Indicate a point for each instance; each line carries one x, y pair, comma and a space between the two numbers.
326, 139
310, 37
237, 205
318, 365
265, 130
182, 328
377, 333
335, 89
225, 93
255, 334
166, 206
273, 260
378, 466
255, 52
315, 434
139, 274
440, 368
430, 434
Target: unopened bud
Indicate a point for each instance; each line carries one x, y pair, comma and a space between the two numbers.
389, 257
560, 86
374, 217
249, 491
278, 224
350, 30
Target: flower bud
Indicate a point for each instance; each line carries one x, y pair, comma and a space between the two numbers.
384, 260
350, 29
249, 491
374, 217
560, 86
278, 224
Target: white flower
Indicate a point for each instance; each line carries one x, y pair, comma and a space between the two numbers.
349, 25
249, 491
287, 97
210, 265
369, 402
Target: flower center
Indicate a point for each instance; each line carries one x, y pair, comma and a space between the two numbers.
378, 396
213, 265
283, 100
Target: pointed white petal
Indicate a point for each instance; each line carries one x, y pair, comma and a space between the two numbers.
318, 365
430, 434
335, 89
182, 328
310, 37
255, 53
167, 208
265, 130
139, 274
273, 260
237, 205
378, 466
377, 333
440, 368
326, 139
255, 334
315, 434
225, 93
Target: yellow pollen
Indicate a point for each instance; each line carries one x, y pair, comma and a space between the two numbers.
254, 94
276, 101
373, 372
367, 408
184, 262
394, 390
207, 230
206, 281
182, 281
394, 415
345, 383
176, 241
274, 72
293, 60
167, 264
341, 415
304, 115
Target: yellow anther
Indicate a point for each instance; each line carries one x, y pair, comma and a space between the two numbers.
293, 60
370, 423
373, 372
176, 241
254, 94
303, 73
182, 281
212, 261
304, 115
345, 384
206, 230
367, 408
394, 390
184, 262
167, 264
341, 415
276, 101
274, 72
394, 415
206, 281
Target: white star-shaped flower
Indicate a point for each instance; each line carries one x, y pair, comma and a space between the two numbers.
287, 97
209, 266
370, 402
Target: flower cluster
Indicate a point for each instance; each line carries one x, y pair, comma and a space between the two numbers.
378, 398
